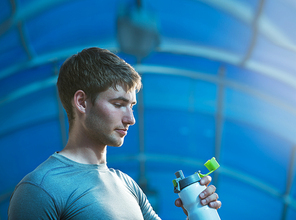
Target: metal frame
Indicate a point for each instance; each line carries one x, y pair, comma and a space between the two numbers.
244, 13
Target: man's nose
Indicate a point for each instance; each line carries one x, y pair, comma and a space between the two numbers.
129, 117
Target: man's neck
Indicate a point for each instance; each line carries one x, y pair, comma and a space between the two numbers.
84, 151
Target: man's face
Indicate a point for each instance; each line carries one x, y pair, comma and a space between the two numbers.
107, 121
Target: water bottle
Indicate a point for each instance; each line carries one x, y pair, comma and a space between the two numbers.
189, 189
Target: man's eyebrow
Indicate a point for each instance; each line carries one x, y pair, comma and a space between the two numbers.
121, 98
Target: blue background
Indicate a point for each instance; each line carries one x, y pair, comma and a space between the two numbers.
220, 82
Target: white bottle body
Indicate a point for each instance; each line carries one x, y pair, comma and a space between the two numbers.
191, 202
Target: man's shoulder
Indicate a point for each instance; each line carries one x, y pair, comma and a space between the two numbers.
44, 171
40, 190
125, 178
120, 174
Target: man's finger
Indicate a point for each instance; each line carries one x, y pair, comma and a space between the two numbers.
207, 192
209, 199
215, 205
205, 180
179, 203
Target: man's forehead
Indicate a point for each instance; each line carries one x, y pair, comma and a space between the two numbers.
119, 93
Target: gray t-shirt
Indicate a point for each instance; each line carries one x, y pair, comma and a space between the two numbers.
63, 189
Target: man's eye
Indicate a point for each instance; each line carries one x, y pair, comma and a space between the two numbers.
117, 105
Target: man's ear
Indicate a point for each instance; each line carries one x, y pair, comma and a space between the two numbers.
80, 101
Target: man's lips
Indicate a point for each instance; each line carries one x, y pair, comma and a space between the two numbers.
122, 132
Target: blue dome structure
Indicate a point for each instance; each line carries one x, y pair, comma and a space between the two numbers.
219, 80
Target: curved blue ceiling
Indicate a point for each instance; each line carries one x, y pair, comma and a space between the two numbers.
220, 81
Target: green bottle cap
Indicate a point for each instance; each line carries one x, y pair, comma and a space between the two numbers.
175, 183
212, 165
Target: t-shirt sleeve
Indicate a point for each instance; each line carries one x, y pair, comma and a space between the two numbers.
146, 208
30, 201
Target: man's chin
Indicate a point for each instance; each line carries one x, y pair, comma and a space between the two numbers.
114, 146
118, 144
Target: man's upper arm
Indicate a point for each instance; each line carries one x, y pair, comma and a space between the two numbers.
30, 201
146, 208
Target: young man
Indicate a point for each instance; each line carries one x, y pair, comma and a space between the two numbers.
98, 92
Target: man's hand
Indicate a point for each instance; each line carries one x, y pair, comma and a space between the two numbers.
207, 197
